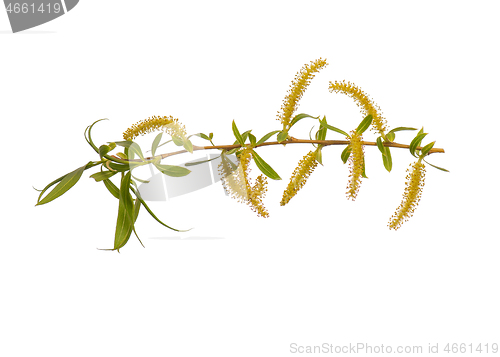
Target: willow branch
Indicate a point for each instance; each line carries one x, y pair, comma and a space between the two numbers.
290, 140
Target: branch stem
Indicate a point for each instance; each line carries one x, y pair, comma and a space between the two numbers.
292, 140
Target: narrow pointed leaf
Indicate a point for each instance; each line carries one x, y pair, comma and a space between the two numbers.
103, 175
136, 192
267, 136
253, 139
365, 124
103, 150
264, 167
188, 145
380, 146
319, 156
122, 167
299, 117
125, 143
171, 170
364, 173
125, 219
427, 148
204, 136
437, 167
400, 129
237, 134
328, 126
64, 185
416, 142
155, 144
321, 133
391, 136
112, 188
177, 141
282, 136
387, 159
88, 136
345, 154
199, 162
136, 149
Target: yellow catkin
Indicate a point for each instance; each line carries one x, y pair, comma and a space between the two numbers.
297, 88
237, 183
356, 160
362, 101
166, 123
299, 177
413, 192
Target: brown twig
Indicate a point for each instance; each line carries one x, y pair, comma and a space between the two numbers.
291, 140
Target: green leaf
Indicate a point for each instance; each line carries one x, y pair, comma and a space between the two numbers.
364, 173
125, 144
103, 150
267, 136
416, 142
137, 207
387, 159
427, 148
137, 194
211, 136
203, 136
87, 133
245, 135
282, 136
177, 141
165, 143
391, 137
155, 144
112, 188
188, 145
253, 139
365, 124
103, 175
324, 124
171, 170
346, 153
437, 167
135, 148
299, 117
130, 154
264, 167
380, 146
125, 221
319, 156
67, 181
321, 133
232, 151
399, 129
123, 167
138, 179
237, 134
199, 162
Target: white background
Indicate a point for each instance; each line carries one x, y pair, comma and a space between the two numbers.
320, 270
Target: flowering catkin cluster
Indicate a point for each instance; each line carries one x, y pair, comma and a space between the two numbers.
364, 102
297, 88
413, 192
166, 123
356, 160
299, 177
237, 184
